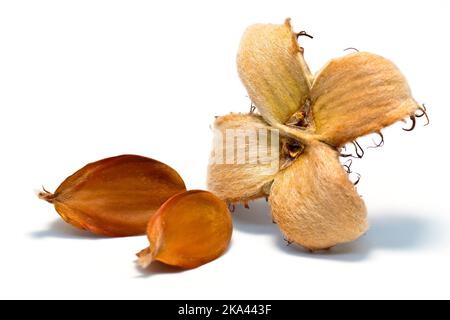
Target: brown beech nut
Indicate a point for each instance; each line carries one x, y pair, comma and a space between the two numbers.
189, 230
115, 196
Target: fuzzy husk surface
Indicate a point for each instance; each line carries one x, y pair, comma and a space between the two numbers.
311, 197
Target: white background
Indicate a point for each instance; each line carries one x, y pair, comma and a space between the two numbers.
85, 80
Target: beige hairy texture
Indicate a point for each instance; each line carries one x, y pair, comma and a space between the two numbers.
312, 198
271, 66
240, 182
315, 204
356, 95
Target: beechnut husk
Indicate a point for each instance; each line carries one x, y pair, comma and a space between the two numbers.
312, 199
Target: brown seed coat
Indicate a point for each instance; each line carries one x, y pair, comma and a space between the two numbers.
115, 196
189, 230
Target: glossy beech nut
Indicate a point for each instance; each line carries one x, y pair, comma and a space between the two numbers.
189, 230
115, 196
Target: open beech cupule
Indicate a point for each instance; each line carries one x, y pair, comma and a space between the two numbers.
312, 199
